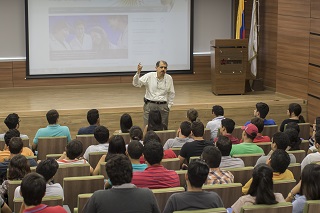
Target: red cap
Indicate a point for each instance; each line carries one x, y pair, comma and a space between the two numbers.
250, 128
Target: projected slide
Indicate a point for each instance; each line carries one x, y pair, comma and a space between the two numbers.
107, 36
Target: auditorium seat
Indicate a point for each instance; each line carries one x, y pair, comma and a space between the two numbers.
241, 174
103, 170
283, 207
304, 130
25, 142
237, 132
304, 145
94, 158
283, 186
249, 159
295, 168
51, 145
48, 200
269, 130
82, 200
171, 163
162, 195
299, 154
165, 135
55, 156
86, 140
312, 206
176, 150
266, 146
126, 137
206, 135
214, 210
182, 177
71, 170
12, 185
194, 158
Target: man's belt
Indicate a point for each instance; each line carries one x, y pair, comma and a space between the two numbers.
154, 102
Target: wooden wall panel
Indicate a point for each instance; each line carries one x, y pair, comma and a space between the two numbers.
313, 108
5, 74
315, 25
314, 73
315, 8
294, 8
314, 49
314, 89
292, 85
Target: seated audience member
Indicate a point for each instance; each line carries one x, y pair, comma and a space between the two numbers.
12, 121
315, 128
294, 112
7, 137
192, 115
101, 134
47, 168
15, 148
94, 121
183, 134
279, 162
134, 152
195, 147
313, 157
279, 141
224, 145
194, 198
294, 140
136, 134
124, 196
258, 122
217, 114
125, 123
33, 189
155, 122
227, 127
306, 189
260, 191
247, 146
53, 129
212, 156
155, 176
261, 111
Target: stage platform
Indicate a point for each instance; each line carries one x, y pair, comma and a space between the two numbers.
112, 100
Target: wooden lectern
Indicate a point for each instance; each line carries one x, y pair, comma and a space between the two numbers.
229, 58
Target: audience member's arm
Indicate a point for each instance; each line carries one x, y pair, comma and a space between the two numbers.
5, 209
97, 169
63, 156
293, 192
23, 207
181, 160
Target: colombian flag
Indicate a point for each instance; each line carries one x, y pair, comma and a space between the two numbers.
240, 30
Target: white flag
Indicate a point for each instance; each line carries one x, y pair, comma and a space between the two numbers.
253, 41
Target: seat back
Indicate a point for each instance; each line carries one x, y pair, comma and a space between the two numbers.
214, 210
86, 140
24, 140
299, 154
162, 195
269, 130
103, 170
194, 158
94, 158
82, 200
229, 193
176, 150
304, 145
71, 170
165, 135
283, 186
48, 200
295, 168
304, 130
73, 186
206, 135
13, 184
312, 206
55, 156
182, 177
266, 146
283, 207
51, 145
171, 163
237, 132
249, 159
126, 137
241, 174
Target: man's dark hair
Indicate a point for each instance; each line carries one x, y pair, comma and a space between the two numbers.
158, 63
259, 123
263, 109
153, 152
12, 120
10, 134
218, 110
296, 109
192, 114
212, 156
119, 169
101, 134
185, 127
224, 145
151, 136
74, 149
92, 116
197, 173
47, 168
19, 166
251, 137
197, 129
33, 189
280, 161
52, 116
15, 145
135, 149
136, 133
294, 139
317, 137
228, 124
281, 140
125, 123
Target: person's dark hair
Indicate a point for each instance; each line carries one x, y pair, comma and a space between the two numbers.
19, 166
252, 136
192, 115
33, 189
259, 123
281, 140
135, 149
317, 137
116, 146
228, 124
101, 134
218, 110
296, 110
47, 168
310, 184
15, 145
12, 120
74, 149
119, 169
263, 109
224, 145
293, 125
151, 135
158, 63
92, 116
197, 173
125, 123
185, 127
153, 152
136, 133
155, 121
52, 116
10, 134
262, 185
212, 156
197, 128
280, 161
294, 140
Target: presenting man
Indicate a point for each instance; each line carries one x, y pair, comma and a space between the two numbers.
159, 90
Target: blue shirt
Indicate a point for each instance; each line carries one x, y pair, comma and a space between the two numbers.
265, 121
87, 130
53, 130
139, 167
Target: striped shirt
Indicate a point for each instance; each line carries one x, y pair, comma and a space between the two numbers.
155, 177
218, 176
